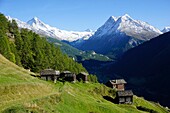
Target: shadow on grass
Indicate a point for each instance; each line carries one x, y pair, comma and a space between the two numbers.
108, 98
146, 109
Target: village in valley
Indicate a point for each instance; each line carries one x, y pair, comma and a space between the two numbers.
123, 96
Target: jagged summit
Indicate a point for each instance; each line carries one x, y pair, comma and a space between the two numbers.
126, 16
126, 24
38, 24
118, 34
34, 20
113, 18
114, 25
166, 29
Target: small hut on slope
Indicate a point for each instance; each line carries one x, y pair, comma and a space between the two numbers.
118, 84
82, 76
49, 74
68, 76
124, 97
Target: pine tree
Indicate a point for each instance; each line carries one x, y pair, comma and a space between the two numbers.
31, 51
5, 47
26, 54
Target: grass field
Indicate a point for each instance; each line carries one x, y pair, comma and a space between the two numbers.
22, 93
16, 85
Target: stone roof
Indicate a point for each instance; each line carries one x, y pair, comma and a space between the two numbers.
84, 73
70, 75
47, 72
118, 81
125, 93
66, 72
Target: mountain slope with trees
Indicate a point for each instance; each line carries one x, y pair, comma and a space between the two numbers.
75, 53
28, 49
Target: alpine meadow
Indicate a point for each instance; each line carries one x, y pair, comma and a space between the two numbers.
76, 56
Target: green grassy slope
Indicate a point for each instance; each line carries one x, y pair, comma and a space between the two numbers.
19, 93
16, 84
82, 98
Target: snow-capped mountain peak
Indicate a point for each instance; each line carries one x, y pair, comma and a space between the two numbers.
166, 29
114, 19
117, 35
38, 24
34, 20
126, 16
40, 27
104, 29
127, 25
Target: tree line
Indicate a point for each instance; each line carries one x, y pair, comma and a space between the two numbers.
31, 51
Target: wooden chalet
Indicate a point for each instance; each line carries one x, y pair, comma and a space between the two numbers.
68, 76
49, 74
124, 97
118, 84
82, 76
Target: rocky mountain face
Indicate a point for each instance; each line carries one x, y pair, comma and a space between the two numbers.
118, 35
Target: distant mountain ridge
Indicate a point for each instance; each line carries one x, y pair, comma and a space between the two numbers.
40, 27
118, 35
166, 29
125, 24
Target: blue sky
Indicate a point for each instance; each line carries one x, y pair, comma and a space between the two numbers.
79, 15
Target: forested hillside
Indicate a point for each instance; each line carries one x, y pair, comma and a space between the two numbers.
29, 50
147, 68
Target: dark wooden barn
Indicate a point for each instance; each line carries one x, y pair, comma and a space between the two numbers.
82, 76
118, 84
68, 76
49, 74
124, 97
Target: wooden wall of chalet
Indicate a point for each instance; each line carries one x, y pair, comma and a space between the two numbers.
82, 77
70, 78
125, 100
120, 87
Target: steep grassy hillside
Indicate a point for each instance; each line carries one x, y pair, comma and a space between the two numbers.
82, 98
16, 84
22, 93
